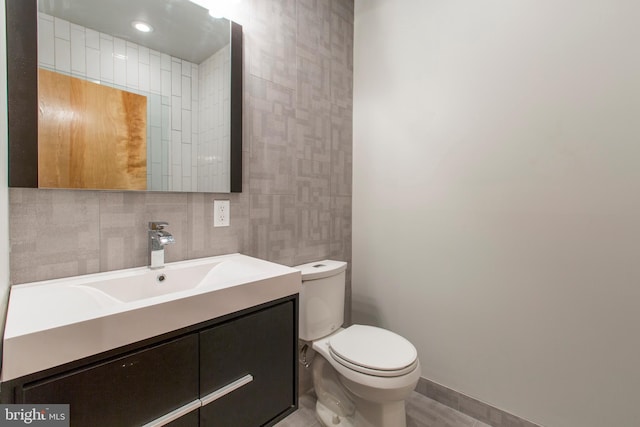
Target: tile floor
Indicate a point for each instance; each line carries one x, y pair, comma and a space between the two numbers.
421, 412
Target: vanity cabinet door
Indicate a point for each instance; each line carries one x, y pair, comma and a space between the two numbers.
254, 355
129, 391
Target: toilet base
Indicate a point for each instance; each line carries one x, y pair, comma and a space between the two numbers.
329, 418
367, 415
371, 414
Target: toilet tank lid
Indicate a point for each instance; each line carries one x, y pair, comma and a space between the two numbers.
321, 269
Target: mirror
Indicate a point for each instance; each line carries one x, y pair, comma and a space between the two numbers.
121, 109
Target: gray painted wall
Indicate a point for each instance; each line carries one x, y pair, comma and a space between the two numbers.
500, 235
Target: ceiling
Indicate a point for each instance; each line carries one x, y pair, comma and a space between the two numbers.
181, 28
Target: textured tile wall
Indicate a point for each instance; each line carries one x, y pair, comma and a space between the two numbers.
296, 206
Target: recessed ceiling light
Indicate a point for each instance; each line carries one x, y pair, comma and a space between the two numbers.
143, 27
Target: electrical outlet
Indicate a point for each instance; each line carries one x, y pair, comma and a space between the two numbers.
221, 213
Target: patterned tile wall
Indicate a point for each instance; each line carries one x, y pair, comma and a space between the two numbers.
296, 204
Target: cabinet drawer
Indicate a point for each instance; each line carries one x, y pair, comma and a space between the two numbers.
259, 347
128, 391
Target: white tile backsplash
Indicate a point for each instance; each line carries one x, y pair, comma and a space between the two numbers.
176, 178
176, 78
62, 55
186, 182
154, 112
106, 58
46, 41
166, 82
92, 39
194, 120
165, 158
166, 122
155, 79
93, 64
176, 147
133, 66
156, 149
186, 92
165, 62
143, 55
119, 62
62, 29
194, 84
119, 71
156, 176
186, 126
78, 51
143, 77
186, 68
186, 160
119, 48
176, 113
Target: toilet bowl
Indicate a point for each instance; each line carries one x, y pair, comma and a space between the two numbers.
361, 374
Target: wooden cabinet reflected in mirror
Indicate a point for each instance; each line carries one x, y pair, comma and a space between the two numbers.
112, 110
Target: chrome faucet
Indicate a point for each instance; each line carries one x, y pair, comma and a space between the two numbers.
158, 239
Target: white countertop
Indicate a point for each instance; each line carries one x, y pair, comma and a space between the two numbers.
53, 322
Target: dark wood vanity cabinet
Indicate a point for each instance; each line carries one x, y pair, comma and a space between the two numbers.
127, 391
236, 371
254, 350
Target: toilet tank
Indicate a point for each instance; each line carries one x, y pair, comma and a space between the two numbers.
321, 298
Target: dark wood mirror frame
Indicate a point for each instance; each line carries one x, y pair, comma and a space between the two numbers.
22, 89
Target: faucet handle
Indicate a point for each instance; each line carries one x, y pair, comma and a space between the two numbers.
157, 225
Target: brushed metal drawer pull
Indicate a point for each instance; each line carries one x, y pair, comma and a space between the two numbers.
223, 391
183, 410
174, 415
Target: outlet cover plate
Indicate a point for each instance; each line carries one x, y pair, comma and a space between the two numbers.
221, 213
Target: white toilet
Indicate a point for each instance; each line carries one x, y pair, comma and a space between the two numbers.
364, 373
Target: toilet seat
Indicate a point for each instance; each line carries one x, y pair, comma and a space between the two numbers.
373, 351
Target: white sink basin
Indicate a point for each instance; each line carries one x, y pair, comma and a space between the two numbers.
148, 284
173, 278
57, 321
